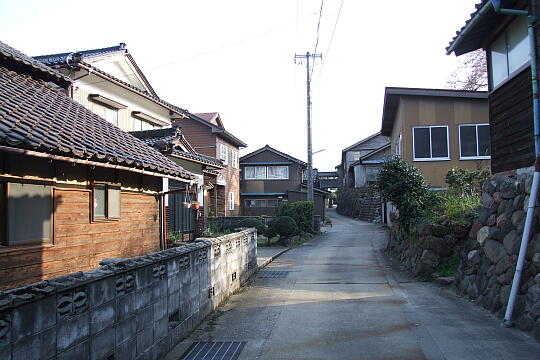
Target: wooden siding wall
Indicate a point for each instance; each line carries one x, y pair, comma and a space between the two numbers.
272, 186
423, 111
512, 128
79, 245
199, 136
232, 178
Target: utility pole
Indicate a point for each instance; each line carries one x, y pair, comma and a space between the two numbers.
309, 56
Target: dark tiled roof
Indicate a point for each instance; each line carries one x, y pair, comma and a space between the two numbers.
162, 140
208, 117
36, 116
30, 65
60, 59
480, 26
269, 148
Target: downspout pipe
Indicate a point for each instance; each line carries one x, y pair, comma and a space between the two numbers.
507, 322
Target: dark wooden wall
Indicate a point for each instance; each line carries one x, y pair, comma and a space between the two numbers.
511, 124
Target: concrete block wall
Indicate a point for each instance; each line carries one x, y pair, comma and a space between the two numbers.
136, 308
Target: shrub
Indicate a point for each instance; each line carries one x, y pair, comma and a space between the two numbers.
300, 211
283, 226
466, 182
458, 209
254, 223
404, 186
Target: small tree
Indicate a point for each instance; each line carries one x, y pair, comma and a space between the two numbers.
404, 186
471, 72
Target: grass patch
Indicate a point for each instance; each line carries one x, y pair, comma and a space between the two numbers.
458, 209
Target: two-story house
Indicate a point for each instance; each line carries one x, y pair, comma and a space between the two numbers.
352, 154
505, 40
207, 134
109, 82
270, 176
181, 220
74, 188
437, 130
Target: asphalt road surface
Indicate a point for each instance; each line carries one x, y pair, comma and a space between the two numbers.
337, 297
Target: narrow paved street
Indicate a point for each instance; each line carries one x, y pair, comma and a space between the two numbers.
335, 298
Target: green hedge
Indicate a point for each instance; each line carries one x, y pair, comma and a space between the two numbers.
300, 211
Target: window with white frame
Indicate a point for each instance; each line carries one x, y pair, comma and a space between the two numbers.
231, 200
234, 158
224, 154
277, 172
431, 143
509, 52
474, 141
255, 172
266, 172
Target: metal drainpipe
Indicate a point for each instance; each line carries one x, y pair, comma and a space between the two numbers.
507, 322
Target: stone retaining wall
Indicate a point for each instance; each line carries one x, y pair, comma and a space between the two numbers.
431, 246
136, 308
488, 259
487, 252
363, 203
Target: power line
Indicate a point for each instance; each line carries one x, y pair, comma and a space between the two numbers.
318, 28
234, 43
331, 38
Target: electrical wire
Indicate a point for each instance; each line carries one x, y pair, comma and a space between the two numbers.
234, 43
318, 33
331, 39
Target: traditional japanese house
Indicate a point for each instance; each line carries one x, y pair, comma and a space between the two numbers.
505, 41
182, 218
207, 134
74, 188
270, 176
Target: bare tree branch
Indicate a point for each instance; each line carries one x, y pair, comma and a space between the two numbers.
471, 72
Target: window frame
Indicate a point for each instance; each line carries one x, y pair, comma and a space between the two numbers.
276, 166
106, 217
431, 158
477, 157
265, 172
4, 202
223, 157
231, 201
234, 158
510, 73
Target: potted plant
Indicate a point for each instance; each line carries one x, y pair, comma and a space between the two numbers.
195, 205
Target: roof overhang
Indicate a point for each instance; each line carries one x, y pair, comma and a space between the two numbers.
393, 94
143, 116
482, 26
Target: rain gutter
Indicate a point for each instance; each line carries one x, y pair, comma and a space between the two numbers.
507, 322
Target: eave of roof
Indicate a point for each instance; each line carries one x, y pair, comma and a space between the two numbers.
392, 95
219, 131
271, 149
361, 142
170, 136
41, 120
30, 66
154, 99
481, 26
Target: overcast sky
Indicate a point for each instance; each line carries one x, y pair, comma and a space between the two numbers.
236, 57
